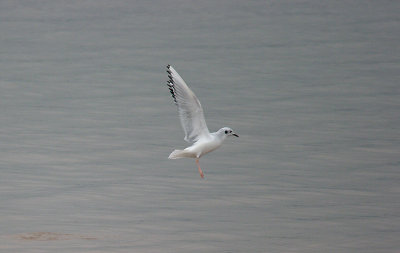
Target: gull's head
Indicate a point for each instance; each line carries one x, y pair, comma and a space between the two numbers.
228, 132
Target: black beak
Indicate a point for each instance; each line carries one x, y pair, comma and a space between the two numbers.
235, 135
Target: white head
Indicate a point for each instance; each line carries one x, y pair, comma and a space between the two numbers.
227, 132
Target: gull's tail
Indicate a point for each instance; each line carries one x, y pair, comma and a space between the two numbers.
176, 154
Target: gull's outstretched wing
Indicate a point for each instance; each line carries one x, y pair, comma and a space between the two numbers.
189, 107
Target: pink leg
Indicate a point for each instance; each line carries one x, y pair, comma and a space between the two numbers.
198, 166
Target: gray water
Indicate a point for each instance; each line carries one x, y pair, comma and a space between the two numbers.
87, 124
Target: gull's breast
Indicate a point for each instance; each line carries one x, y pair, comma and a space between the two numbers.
201, 148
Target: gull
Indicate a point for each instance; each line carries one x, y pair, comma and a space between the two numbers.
193, 123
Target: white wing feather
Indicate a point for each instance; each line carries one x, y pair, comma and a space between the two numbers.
189, 107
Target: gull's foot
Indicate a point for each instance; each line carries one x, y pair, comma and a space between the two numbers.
198, 166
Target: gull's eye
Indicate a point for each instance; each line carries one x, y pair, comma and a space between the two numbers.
226, 131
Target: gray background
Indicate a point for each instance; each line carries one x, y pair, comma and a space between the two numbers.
87, 124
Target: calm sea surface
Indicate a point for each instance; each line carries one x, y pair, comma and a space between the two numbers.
87, 124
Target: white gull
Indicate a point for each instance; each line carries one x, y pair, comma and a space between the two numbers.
193, 122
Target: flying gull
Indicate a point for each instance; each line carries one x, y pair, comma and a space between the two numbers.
193, 122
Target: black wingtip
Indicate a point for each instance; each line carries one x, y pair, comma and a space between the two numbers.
168, 70
170, 84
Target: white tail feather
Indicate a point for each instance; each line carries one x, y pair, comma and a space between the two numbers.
176, 154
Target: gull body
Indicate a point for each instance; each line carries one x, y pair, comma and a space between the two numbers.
202, 146
193, 123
